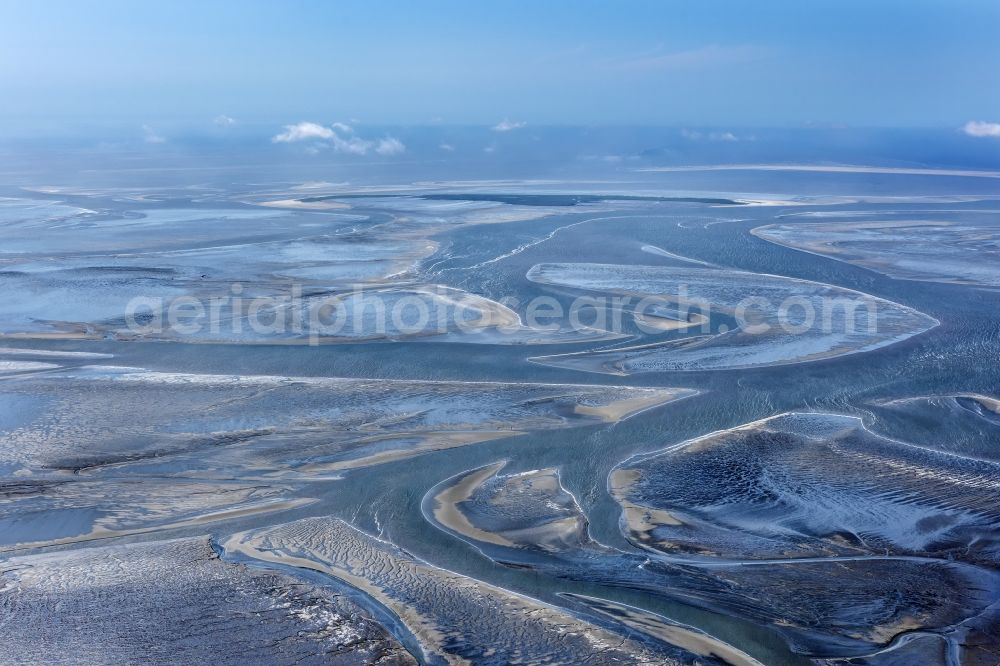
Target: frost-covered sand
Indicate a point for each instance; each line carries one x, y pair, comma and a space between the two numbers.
843, 321
441, 608
755, 492
200, 448
526, 510
966, 424
824, 602
487, 511
934, 251
259, 275
177, 602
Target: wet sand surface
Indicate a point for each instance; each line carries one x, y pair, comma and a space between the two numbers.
495, 490
178, 602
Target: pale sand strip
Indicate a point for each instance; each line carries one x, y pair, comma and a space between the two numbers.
620, 410
215, 516
683, 636
298, 204
435, 441
447, 513
451, 615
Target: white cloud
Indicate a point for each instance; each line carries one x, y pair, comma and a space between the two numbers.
389, 146
150, 135
303, 132
340, 137
506, 125
978, 128
447, 147
224, 121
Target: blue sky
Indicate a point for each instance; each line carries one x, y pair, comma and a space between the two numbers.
675, 63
